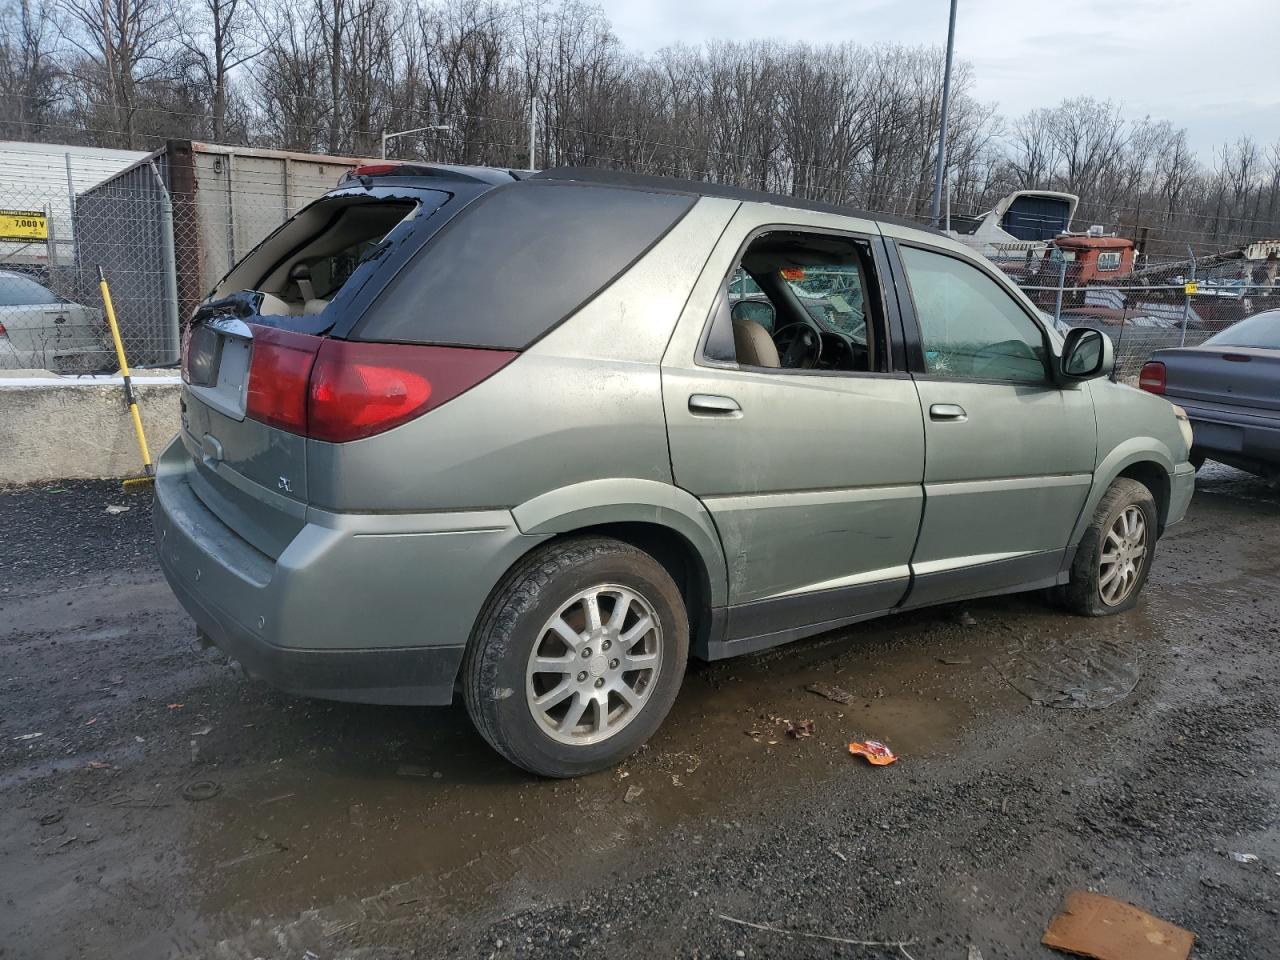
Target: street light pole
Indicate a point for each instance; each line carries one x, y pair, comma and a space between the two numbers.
946, 105
400, 133
533, 128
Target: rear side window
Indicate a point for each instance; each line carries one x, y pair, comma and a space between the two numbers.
1260, 330
516, 263
18, 291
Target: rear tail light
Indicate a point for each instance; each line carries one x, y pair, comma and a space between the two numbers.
340, 390
1151, 378
3, 331
279, 372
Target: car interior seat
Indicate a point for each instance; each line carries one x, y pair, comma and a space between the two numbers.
753, 345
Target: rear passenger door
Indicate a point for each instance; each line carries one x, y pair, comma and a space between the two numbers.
1009, 453
812, 476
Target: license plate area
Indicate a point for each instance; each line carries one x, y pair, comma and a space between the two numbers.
203, 355
218, 365
1218, 436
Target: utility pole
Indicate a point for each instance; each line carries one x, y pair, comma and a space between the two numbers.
946, 105
533, 128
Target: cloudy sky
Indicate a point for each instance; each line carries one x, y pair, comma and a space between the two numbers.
1212, 66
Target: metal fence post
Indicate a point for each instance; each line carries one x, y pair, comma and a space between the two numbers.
71, 216
1062, 283
1186, 304
169, 268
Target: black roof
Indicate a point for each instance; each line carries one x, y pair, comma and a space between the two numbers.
702, 188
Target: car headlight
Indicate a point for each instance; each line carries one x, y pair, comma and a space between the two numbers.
1184, 424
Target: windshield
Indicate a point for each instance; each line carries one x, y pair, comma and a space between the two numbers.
1260, 330
16, 290
832, 294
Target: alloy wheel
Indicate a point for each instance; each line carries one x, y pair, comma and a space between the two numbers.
594, 664
1124, 551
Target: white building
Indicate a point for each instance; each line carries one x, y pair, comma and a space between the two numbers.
43, 178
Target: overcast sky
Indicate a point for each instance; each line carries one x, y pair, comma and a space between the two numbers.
1212, 66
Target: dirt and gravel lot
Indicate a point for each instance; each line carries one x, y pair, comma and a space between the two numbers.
171, 807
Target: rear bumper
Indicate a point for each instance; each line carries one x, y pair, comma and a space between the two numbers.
1234, 436
373, 608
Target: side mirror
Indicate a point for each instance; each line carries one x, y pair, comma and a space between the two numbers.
757, 311
1086, 354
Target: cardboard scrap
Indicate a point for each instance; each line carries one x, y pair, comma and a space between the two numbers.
1091, 925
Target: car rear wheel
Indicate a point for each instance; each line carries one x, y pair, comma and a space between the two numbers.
1114, 557
577, 656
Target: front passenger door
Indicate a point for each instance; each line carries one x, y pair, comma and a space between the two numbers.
1009, 455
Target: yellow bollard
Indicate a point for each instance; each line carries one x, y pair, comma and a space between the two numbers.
129, 398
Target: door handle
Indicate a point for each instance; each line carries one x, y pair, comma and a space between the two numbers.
948, 413
703, 404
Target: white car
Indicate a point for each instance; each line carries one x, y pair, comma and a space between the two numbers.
41, 331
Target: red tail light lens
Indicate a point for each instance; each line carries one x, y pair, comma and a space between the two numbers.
3, 331
360, 389
278, 376
1151, 378
340, 390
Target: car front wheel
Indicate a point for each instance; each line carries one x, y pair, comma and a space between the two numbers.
577, 656
1114, 556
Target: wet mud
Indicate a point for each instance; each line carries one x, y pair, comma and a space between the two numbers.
172, 807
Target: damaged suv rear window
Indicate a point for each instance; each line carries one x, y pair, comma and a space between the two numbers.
300, 269
519, 261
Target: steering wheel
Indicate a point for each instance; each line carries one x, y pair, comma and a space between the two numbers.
799, 346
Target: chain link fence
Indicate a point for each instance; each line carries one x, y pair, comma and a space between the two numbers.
166, 226
163, 228
1151, 306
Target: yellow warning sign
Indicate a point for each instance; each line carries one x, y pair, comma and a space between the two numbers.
30, 226
1192, 288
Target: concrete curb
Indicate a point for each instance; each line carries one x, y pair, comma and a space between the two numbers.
78, 428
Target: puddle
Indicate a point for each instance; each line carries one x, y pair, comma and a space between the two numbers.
1079, 674
327, 826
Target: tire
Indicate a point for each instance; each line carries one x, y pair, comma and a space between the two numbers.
1086, 593
501, 680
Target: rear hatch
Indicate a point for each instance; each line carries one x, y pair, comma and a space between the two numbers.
257, 335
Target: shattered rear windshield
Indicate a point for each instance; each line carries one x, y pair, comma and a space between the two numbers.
302, 267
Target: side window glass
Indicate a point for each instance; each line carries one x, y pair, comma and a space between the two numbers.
800, 301
970, 328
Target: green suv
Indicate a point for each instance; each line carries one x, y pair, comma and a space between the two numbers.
403, 473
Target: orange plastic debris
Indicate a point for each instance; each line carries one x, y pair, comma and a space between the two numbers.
875, 752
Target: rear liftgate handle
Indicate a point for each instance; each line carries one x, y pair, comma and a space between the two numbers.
710, 404
947, 413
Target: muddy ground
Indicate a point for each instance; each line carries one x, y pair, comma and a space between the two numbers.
173, 808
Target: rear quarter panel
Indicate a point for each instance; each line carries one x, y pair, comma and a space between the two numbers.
583, 403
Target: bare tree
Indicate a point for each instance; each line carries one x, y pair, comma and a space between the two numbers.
123, 44
29, 73
215, 36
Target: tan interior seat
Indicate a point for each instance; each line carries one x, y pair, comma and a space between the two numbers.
753, 345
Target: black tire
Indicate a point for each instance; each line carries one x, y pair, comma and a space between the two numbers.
494, 668
1083, 593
